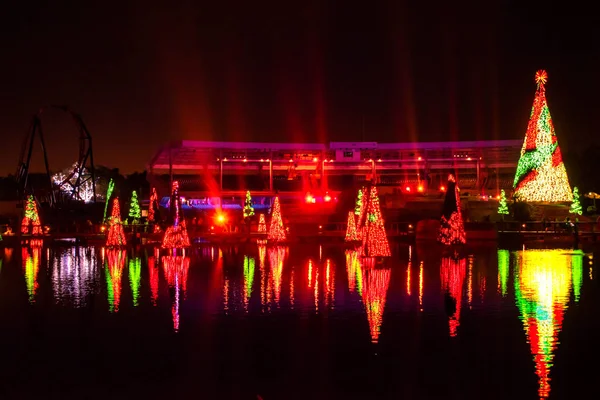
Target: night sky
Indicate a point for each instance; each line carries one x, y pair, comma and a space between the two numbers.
142, 75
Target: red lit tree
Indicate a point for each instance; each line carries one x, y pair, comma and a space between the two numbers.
541, 174
276, 229
31, 219
351, 231
452, 230
116, 235
262, 225
152, 206
375, 242
176, 235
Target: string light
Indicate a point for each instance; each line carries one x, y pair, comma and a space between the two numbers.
360, 211
152, 206
541, 174
176, 235
116, 235
375, 242
452, 229
111, 187
276, 229
351, 231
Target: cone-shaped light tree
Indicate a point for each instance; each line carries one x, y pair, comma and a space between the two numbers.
375, 242
116, 235
134, 208
452, 230
576, 205
502, 206
176, 235
31, 219
351, 232
541, 174
262, 224
276, 229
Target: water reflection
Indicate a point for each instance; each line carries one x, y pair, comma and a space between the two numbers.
376, 282
135, 274
249, 273
31, 257
153, 275
75, 274
176, 270
452, 274
115, 263
503, 270
271, 279
543, 280
354, 271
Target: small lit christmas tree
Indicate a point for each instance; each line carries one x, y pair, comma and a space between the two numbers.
541, 173
276, 229
262, 224
111, 187
248, 209
452, 230
116, 235
375, 242
31, 218
351, 232
576, 205
176, 235
134, 208
502, 206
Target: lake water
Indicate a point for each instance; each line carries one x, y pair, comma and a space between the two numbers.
297, 322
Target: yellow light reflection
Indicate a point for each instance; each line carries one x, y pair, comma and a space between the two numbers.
421, 286
543, 282
30, 258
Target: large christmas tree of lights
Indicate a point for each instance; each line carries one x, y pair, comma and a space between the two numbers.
375, 242
176, 235
541, 173
31, 219
276, 229
452, 230
116, 235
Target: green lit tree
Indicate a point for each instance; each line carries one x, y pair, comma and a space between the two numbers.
248, 209
576, 205
502, 206
134, 208
111, 187
359, 204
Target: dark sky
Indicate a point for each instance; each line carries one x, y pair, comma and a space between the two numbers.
141, 75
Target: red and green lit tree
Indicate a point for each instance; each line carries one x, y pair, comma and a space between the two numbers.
134, 208
248, 209
176, 235
276, 229
262, 224
541, 174
502, 206
375, 242
351, 231
452, 230
31, 219
116, 235
576, 205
